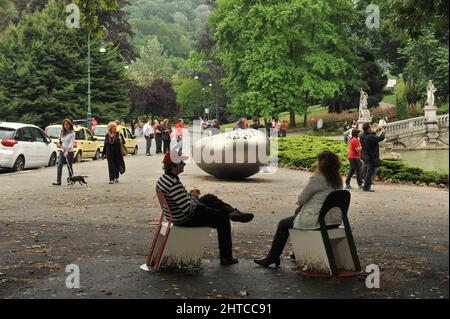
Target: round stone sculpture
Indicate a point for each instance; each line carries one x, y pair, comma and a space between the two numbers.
233, 155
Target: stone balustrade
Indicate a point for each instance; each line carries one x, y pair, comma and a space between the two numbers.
418, 133
409, 126
442, 120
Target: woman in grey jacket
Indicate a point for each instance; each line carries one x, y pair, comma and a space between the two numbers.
65, 143
326, 180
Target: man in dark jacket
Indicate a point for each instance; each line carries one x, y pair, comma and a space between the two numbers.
370, 154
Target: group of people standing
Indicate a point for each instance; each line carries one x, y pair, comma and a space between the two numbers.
278, 128
364, 156
275, 128
162, 133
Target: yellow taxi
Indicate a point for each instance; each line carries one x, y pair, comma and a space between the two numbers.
85, 145
100, 132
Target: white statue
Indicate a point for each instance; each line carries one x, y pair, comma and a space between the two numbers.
430, 93
364, 114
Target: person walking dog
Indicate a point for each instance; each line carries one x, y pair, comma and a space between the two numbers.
65, 143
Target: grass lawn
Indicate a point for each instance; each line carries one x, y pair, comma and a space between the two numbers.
389, 99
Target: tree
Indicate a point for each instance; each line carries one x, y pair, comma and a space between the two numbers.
96, 16
152, 64
159, 99
8, 13
43, 72
427, 60
415, 16
163, 99
191, 97
401, 102
283, 55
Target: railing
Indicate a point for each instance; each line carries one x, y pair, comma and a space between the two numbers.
408, 126
442, 120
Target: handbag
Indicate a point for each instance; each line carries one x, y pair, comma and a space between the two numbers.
123, 148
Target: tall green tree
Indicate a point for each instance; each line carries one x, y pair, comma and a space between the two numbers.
152, 64
427, 60
401, 102
283, 55
191, 97
43, 72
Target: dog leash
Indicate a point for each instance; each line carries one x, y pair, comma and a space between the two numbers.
69, 167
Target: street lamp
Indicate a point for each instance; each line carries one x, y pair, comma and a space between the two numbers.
204, 98
89, 111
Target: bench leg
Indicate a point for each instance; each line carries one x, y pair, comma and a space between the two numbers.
161, 250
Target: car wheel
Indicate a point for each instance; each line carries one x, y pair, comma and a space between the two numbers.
135, 151
52, 161
19, 165
79, 157
97, 155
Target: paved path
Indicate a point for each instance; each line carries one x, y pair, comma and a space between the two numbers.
106, 229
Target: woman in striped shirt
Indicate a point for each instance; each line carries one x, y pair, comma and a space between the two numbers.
190, 210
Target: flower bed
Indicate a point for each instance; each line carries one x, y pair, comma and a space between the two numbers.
301, 151
334, 122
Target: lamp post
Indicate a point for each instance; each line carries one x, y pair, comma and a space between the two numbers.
89, 111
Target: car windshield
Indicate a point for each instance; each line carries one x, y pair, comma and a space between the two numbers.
53, 132
6, 133
100, 131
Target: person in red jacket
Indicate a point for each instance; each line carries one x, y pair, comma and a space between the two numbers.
354, 157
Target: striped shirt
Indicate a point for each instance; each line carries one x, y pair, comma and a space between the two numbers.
180, 203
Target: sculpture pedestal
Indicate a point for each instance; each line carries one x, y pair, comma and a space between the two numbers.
430, 114
361, 122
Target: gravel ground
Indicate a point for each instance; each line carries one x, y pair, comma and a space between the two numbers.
106, 229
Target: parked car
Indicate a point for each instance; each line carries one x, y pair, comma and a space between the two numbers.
85, 145
100, 132
25, 146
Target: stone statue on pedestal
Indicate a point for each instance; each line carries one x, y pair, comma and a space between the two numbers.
430, 93
364, 113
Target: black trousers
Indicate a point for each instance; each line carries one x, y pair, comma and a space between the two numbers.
281, 236
355, 168
166, 145
148, 144
213, 212
158, 140
369, 172
113, 168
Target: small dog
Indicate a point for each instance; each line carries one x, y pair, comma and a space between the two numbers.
74, 179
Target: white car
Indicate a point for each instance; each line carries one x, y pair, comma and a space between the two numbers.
25, 146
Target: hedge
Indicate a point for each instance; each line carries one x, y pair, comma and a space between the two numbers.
301, 152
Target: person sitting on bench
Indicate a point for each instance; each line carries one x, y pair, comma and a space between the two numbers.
191, 210
326, 180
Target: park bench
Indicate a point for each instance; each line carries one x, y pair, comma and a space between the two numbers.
175, 247
327, 251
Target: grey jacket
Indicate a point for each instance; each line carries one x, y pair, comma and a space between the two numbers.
311, 199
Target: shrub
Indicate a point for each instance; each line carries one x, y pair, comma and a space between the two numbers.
301, 152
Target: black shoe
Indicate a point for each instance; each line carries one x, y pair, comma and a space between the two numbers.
237, 216
269, 260
292, 256
56, 184
228, 261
